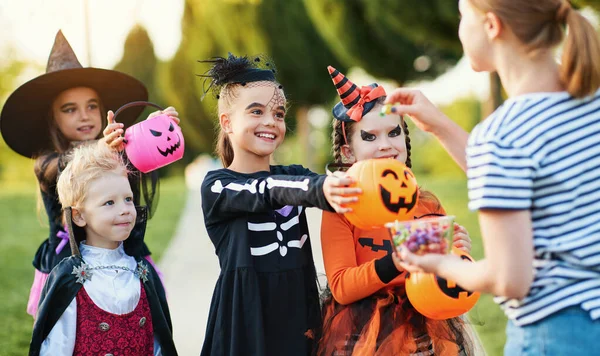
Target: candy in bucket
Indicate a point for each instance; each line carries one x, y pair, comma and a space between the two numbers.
425, 235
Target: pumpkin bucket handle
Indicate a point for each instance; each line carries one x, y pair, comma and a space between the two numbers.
337, 166
132, 104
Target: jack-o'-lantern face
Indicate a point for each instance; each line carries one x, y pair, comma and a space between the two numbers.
167, 141
389, 193
452, 289
437, 298
154, 143
398, 192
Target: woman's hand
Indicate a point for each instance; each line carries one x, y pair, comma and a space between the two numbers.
415, 104
112, 133
338, 193
173, 114
427, 263
429, 118
461, 239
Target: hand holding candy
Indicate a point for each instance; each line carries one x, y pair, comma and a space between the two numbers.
412, 102
461, 239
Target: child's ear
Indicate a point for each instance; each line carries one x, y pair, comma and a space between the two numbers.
348, 154
77, 217
225, 122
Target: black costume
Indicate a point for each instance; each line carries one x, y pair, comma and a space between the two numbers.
62, 287
266, 299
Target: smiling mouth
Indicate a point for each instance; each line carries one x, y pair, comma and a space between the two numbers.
268, 136
392, 156
85, 128
170, 150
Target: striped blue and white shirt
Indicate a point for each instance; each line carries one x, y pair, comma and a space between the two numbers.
541, 152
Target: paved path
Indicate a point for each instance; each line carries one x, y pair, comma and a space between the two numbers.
191, 269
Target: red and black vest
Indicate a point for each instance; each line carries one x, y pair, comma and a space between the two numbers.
102, 333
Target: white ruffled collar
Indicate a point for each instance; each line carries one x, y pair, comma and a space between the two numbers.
98, 255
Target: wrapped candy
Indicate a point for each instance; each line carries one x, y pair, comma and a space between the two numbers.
388, 109
428, 235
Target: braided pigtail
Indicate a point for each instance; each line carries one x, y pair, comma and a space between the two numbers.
338, 141
407, 138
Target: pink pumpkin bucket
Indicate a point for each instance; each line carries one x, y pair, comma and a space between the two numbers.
152, 143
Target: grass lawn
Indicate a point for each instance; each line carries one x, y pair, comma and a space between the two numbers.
21, 233
488, 319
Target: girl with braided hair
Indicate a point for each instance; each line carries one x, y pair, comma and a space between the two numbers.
366, 311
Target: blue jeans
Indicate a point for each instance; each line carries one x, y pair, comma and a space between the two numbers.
570, 331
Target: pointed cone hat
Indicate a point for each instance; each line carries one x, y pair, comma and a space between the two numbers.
347, 90
24, 121
349, 95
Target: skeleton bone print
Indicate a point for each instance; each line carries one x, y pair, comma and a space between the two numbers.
275, 232
257, 224
280, 243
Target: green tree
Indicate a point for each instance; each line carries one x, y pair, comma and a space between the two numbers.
14, 169
139, 61
183, 89
281, 30
370, 35
302, 57
401, 40
594, 4
420, 21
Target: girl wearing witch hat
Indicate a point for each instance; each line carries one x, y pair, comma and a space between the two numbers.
366, 311
45, 117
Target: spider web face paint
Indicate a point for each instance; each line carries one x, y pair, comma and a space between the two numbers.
278, 99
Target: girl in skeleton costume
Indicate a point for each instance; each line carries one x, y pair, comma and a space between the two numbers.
266, 299
366, 311
47, 116
101, 300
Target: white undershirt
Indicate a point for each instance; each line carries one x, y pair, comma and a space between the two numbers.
114, 291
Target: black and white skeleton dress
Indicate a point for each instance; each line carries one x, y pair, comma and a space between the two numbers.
266, 299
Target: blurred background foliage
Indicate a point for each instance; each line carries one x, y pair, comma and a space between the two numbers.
399, 42
395, 41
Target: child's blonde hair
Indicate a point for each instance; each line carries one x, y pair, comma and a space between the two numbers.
540, 24
88, 162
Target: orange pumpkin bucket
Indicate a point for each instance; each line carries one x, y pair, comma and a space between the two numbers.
432, 296
438, 298
389, 192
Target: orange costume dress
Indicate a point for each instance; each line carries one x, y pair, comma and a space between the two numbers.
367, 311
